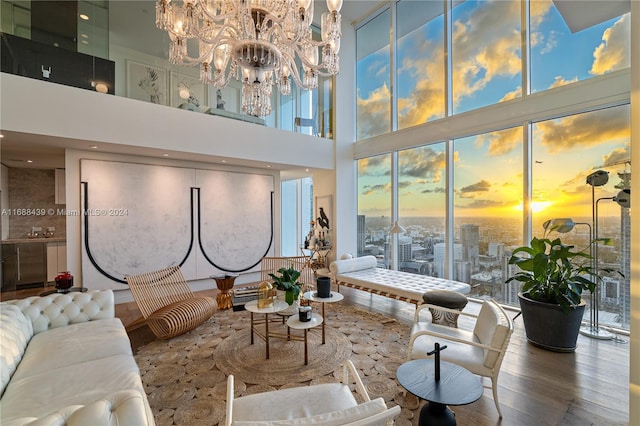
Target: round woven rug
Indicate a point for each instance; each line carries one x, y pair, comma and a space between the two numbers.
185, 377
236, 355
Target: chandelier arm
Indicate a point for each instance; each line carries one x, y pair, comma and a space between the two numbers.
218, 18
316, 67
233, 32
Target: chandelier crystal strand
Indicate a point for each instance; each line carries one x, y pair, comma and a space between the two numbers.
255, 41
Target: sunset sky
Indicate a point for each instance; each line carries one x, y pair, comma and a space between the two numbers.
487, 69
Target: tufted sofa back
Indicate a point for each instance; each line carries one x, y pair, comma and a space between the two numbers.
59, 310
15, 332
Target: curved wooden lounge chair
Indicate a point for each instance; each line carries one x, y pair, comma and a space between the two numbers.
167, 303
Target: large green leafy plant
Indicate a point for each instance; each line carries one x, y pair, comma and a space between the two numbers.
553, 272
288, 282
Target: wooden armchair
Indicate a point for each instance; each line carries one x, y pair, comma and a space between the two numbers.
167, 303
479, 350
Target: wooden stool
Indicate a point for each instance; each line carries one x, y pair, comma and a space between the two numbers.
446, 299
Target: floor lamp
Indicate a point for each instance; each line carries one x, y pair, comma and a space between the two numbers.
395, 230
597, 178
564, 225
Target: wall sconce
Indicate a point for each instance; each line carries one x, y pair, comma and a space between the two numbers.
183, 90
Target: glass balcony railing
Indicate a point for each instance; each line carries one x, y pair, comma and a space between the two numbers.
115, 48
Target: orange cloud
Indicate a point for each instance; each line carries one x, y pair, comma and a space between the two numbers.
502, 142
613, 53
374, 112
583, 130
561, 81
486, 46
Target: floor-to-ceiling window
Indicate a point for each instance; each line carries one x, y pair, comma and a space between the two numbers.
374, 207
422, 209
421, 62
487, 210
575, 55
486, 53
522, 122
566, 151
373, 69
296, 213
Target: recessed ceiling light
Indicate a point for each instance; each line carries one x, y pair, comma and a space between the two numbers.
224, 161
268, 166
1, 136
94, 147
83, 35
165, 155
29, 161
84, 42
84, 17
306, 170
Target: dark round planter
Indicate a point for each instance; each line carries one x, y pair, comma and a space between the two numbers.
548, 326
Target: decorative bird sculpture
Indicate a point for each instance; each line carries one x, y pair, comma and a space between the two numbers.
323, 220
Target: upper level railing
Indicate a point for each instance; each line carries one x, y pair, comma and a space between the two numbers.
115, 48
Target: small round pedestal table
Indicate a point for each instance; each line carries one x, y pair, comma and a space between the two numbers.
295, 323
456, 386
224, 284
312, 296
252, 307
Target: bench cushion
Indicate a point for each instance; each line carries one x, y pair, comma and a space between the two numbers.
362, 272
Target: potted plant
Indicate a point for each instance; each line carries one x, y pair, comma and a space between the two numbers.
553, 277
288, 282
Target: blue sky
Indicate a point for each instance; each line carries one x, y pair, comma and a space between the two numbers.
487, 69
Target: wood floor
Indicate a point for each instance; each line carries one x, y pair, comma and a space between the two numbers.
536, 387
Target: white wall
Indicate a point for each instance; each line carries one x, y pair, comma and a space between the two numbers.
634, 375
345, 189
74, 223
34, 106
4, 187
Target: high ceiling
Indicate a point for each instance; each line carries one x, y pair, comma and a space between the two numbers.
132, 24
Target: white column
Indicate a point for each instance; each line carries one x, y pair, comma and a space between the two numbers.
634, 373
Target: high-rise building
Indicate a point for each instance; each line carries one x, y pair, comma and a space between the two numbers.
470, 239
625, 249
361, 234
440, 257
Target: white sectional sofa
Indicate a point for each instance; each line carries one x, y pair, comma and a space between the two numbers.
66, 360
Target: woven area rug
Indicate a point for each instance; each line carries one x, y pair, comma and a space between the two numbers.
185, 377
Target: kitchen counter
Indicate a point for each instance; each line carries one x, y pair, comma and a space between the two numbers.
34, 240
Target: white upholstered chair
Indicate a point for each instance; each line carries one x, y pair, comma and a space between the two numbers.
480, 350
328, 404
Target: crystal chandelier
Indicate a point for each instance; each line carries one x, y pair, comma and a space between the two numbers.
255, 41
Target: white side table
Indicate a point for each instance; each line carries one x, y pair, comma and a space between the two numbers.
295, 323
252, 306
335, 297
